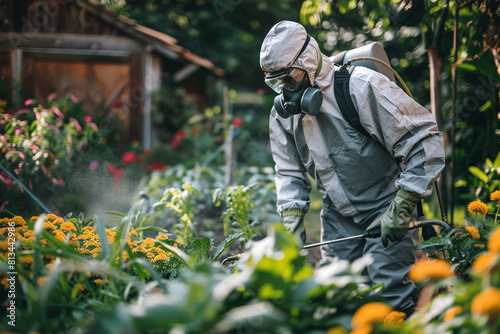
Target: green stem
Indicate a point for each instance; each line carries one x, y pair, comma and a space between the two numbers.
496, 215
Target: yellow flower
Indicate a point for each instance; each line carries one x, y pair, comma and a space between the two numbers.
59, 235
95, 250
68, 226
49, 226
3, 103
452, 312
51, 217
484, 263
494, 242
434, 270
370, 314
150, 255
336, 330
148, 243
95, 255
26, 259
34, 218
91, 243
139, 249
87, 230
495, 196
473, 232
477, 206
487, 302
42, 280
133, 232
162, 237
395, 318
98, 281
81, 287
161, 257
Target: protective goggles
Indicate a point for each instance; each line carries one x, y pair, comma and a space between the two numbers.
289, 78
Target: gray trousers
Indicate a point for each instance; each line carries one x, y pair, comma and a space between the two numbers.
390, 265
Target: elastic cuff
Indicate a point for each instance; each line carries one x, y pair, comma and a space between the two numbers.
293, 213
409, 196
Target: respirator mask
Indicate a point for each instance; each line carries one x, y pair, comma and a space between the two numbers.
296, 95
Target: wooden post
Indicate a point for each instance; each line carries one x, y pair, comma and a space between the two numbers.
231, 158
16, 60
148, 91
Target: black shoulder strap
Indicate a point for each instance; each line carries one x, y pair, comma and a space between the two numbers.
343, 97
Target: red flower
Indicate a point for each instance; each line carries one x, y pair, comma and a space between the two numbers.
158, 166
181, 133
128, 158
111, 169
118, 104
147, 152
139, 158
176, 142
237, 122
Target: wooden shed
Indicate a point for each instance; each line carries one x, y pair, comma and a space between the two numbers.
82, 48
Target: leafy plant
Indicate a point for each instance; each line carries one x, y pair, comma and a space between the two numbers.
238, 204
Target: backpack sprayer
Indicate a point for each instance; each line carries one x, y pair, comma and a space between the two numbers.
374, 57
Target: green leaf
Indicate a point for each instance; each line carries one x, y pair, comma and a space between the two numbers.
151, 228
116, 213
225, 244
103, 239
478, 173
461, 183
496, 164
202, 246
430, 246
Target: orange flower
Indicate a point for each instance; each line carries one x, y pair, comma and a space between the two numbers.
162, 237
487, 302
495, 196
452, 312
473, 232
68, 226
494, 242
434, 270
370, 314
484, 263
395, 318
477, 206
336, 330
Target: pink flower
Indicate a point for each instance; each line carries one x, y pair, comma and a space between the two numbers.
7, 180
23, 111
28, 102
57, 112
237, 122
18, 131
260, 91
53, 127
21, 155
35, 148
93, 126
36, 138
73, 98
93, 165
88, 118
23, 123
52, 96
77, 125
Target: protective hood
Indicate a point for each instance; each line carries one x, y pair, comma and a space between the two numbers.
281, 47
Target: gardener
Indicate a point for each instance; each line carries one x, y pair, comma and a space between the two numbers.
360, 178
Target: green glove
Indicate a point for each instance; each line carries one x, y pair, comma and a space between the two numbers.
394, 222
293, 219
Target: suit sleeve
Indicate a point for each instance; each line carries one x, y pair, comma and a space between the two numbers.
292, 185
404, 127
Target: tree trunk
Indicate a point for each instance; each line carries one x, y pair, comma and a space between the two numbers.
435, 65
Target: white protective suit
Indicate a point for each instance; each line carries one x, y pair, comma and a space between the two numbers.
358, 176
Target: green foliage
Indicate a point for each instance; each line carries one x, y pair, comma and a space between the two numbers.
238, 205
481, 181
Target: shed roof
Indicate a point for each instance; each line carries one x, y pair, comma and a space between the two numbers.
160, 42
